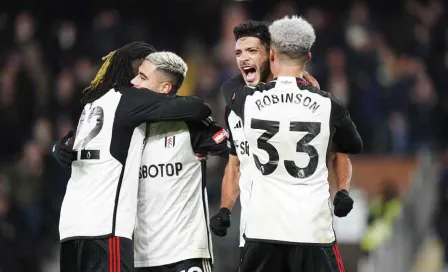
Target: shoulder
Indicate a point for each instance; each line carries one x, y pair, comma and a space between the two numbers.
227, 112
132, 92
265, 86
315, 90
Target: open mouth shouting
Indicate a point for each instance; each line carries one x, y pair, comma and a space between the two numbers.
250, 74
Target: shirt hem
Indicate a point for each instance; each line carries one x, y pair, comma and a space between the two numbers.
147, 263
272, 241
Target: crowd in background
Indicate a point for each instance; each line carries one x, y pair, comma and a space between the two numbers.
387, 60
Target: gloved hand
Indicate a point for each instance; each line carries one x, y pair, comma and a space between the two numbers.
221, 222
342, 203
63, 154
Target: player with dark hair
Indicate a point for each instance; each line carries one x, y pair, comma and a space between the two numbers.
252, 51
118, 68
291, 127
99, 208
252, 54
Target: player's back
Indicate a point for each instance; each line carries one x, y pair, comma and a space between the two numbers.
109, 153
287, 126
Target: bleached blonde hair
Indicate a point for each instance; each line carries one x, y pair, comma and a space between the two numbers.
292, 36
170, 64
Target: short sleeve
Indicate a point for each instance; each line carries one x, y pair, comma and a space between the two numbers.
346, 136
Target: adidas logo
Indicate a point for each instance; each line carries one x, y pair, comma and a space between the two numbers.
238, 125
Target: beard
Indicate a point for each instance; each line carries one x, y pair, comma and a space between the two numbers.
265, 71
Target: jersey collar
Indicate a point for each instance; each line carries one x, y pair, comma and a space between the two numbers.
299, 80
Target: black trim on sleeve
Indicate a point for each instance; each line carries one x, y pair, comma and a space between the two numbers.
138, 106
231, 145
204, 204
117, 198
346, 136
208, 138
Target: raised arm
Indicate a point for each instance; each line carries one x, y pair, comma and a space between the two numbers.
146, 106
208, 137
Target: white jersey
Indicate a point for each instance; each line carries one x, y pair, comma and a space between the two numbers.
290, 127
101, 196
172, 217
240, 147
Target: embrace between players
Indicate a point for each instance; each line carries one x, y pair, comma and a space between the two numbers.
137, 195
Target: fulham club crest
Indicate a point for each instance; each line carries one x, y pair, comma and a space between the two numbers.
170, 141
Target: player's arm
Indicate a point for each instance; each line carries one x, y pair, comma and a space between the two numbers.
208, 137
147, 106
346, 137
342, 170
235, 92
346, 140
230, 189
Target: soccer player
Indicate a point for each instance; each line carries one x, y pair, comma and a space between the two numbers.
252, 56
172, 232
290, 127
99, 208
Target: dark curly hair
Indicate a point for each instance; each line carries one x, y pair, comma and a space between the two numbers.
256, 29
118, 69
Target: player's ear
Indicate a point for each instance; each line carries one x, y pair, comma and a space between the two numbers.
166, 87
308, 56
271, 55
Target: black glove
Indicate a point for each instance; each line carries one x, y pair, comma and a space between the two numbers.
63, 154
220, 222
342, 203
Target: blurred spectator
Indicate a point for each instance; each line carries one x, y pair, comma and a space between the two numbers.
442, 211
26, 186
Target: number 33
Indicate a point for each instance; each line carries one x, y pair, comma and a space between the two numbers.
271, 128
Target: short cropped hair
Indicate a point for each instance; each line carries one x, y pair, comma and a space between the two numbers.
170, 64
292, 37
256, 29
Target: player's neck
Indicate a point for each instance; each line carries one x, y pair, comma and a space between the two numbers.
289, 71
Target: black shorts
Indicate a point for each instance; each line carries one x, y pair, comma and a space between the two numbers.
190, 265
268, 257
114, 254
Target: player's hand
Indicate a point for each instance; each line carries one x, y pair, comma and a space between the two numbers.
311, 80
342, 203
221, 222
63, 154
201, 156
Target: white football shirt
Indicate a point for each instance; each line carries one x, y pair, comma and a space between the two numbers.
101, 195
172, 218
290, 127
